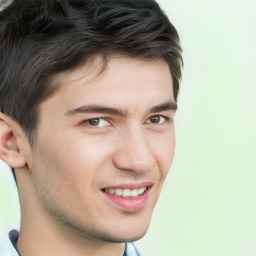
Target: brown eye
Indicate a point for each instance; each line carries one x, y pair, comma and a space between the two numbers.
154, 119
94, 122
97, 122
158, 119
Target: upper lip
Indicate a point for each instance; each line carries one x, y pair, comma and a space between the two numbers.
132, 185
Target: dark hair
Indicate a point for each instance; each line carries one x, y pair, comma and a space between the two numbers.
38, 39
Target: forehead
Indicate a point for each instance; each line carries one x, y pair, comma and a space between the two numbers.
118, 68
124, 82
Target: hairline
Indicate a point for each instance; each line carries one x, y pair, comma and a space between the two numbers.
56, 80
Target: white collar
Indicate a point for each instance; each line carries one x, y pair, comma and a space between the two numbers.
6, 246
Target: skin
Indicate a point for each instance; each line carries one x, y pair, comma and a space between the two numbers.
78, 153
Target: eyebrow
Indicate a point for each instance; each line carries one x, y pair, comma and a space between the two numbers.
169, 105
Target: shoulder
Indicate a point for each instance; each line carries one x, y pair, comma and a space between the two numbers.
6, 246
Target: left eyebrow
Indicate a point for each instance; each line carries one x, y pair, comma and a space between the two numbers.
169, 105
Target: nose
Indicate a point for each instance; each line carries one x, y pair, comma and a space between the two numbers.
134, 152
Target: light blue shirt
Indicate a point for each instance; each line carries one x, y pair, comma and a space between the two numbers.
7, 248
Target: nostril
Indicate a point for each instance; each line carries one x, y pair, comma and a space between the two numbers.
133, 153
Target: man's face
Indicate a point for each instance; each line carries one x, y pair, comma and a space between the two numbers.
104, 146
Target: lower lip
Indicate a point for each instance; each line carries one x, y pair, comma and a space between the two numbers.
129, 203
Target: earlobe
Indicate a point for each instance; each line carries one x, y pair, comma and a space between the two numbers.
10, 152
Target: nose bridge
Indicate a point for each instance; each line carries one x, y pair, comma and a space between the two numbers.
134, 151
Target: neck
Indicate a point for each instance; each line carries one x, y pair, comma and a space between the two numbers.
41, 234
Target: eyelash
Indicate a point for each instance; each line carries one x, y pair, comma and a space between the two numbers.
99, 118
166, 119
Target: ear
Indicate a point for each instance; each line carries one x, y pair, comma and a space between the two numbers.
11, 150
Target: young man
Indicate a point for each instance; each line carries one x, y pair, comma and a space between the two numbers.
88, 92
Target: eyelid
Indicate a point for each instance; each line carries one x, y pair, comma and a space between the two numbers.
108, 121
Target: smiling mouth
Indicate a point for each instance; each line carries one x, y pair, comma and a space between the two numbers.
126, 192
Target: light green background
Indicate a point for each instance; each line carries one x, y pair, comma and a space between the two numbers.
208, 205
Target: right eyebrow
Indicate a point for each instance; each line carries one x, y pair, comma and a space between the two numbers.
96, 109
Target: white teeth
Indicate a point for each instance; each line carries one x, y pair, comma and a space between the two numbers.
118, 191
135, 192
126, 192
111, 191
142, 190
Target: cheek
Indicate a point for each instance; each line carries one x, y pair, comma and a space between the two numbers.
50, 169
73, 160
164, 149
62, 176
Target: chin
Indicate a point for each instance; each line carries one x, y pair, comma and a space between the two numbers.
123, 238
130, 233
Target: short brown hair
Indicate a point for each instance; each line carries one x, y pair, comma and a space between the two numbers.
38, 39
